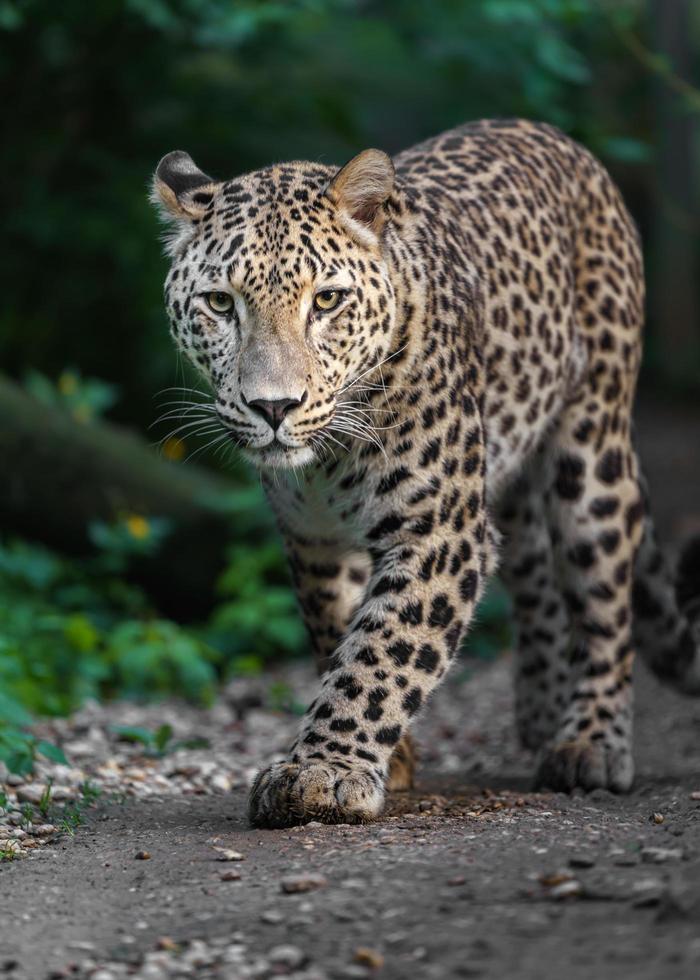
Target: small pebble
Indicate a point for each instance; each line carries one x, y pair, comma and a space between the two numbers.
31, 793
142, 856
659, 855
657, 818
647, 892
226, 854
567, 889
293, 884
231, 875
581, 861
220, 782
288, 956
626, 861
272, 917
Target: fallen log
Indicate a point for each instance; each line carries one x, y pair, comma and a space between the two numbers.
60, 475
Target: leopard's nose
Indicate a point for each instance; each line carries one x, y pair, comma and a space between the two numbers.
274, 411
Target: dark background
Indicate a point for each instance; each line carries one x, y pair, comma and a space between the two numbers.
113, 579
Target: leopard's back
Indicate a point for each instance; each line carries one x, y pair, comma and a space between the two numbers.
555, 259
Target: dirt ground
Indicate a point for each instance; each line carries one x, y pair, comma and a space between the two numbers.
470, 876
473, 878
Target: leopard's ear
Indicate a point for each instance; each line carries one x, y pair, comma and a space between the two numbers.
362, 187
180, 189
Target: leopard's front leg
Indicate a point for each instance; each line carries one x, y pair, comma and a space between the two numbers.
429, 559
330, 580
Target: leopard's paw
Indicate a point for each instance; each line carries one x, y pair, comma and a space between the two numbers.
587, 764
289, 793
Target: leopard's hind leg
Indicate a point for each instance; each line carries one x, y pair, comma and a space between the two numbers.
541, 620
594, 497
595, 512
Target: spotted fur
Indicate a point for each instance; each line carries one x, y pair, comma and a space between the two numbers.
470, 394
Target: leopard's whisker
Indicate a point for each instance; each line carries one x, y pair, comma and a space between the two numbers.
185, 403
206, 427
330, 436
175, 415
358, 401
358, 415
196, 391
373, 368
208, 445
359, 432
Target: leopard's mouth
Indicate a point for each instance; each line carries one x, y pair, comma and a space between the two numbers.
277, 455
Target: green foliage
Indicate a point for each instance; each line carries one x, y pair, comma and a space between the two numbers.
72, 630
128, 536
71, 815
18, 747
238, 85
85, 398
45, 800
67, 817
159, 742
257, 618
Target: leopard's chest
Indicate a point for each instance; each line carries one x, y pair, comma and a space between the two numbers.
331, 508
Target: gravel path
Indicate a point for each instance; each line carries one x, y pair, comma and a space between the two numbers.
470, 876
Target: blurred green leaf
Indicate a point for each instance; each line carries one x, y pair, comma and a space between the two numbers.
51, 752
85, 398
133, 733
162, 736
627, 150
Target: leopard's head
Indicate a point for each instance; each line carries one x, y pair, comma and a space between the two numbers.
281, 295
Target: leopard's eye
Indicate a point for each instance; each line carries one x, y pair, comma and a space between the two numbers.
327, 300
219, 302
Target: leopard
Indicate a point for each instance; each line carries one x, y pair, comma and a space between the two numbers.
431, 362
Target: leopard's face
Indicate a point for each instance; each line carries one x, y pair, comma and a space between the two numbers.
282, 300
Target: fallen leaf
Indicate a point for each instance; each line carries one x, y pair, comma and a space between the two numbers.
554, 879
369, 957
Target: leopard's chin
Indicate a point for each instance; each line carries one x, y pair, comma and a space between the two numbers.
276, 456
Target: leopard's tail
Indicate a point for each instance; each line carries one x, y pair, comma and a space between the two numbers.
666, 610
